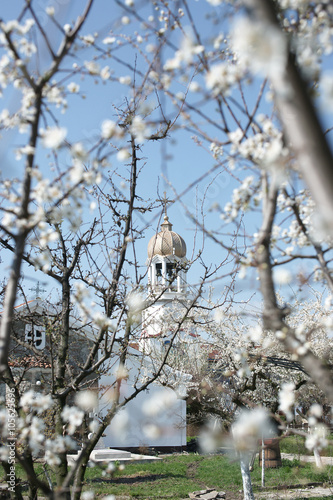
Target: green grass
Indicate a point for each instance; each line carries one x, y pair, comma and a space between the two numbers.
174, 477
296, 445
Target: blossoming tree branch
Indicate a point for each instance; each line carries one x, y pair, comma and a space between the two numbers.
245, 88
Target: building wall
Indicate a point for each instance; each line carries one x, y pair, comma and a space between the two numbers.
34, 326
155, 418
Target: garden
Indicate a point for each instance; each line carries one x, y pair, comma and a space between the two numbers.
177, 475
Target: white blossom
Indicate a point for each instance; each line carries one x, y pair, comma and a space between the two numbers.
43, 260
109, 128
121, 372
73, 87
33, 432
92, 67
105, 73
139, 129
159, 403
261, 46
221, 77
123, 154
125, 80
81, 291
102, 321
194, 87
55, 95
317, 438
45, 192
86, 400
328, 302
76, 171
152, 431
316, 410
25, 150
282, 276
287, 399
73, 417
56, 446
308, 62
53, 137
219, 315
250, 427
93, 426
211, 436
78, 151
255, 334
109, 40
50, 11
120, 425
31, 400
135, 303
186, 53
27, 48
88, 39
47, 237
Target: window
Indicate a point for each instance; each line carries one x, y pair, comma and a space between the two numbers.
171, 270
35, 335
175, 345
158, 270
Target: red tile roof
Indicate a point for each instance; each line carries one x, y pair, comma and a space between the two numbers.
29, 362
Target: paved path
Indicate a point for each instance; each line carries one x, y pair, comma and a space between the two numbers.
297, 494
307, 458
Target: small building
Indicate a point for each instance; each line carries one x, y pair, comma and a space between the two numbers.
33, 345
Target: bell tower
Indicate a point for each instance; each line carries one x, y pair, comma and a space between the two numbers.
167, 262
167, 283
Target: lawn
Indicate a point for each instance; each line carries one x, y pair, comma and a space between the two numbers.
296, 445
176, 476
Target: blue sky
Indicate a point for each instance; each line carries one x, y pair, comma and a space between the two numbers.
178, 158
187, 161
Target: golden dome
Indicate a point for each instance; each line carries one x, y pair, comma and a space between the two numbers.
166, 242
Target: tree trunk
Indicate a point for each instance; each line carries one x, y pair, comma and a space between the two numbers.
318, 459
61, 469
32, 489
246, 477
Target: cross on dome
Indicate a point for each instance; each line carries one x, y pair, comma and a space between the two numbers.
37, 290
165, 202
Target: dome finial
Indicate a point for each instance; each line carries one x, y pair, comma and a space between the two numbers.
166, 225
